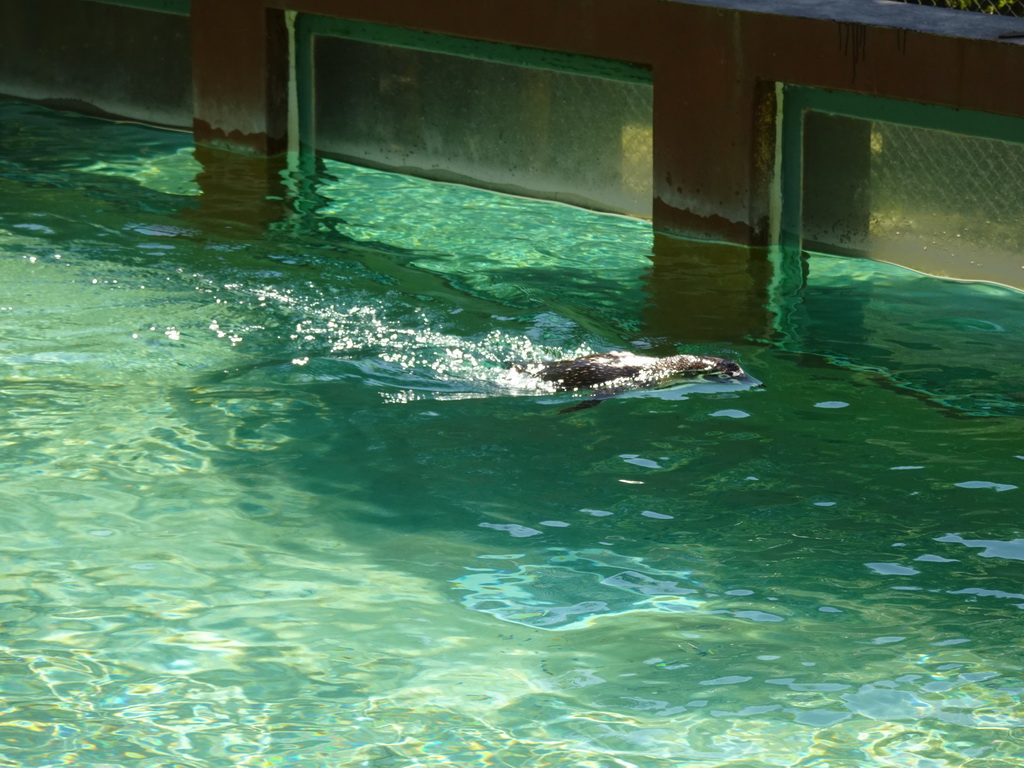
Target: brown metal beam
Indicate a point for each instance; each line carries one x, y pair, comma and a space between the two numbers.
240, 75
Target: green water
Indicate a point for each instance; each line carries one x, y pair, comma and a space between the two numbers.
274, 500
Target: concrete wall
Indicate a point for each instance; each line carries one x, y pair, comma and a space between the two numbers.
98, 59
714, 64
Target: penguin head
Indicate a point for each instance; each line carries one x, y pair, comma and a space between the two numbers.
729, 370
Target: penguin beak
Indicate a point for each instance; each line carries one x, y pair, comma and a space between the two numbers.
739, 377
746, 380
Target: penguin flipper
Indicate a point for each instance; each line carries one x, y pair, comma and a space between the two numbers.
591, 403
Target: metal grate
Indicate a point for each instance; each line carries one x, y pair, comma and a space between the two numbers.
938, 201
951, 186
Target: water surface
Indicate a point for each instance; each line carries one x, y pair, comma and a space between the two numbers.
275, 499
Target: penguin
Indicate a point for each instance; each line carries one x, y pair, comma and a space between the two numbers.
611, 373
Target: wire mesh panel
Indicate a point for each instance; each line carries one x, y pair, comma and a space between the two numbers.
531, 131
945, 203
966, 188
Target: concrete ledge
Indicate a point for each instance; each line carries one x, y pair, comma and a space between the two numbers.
880, 13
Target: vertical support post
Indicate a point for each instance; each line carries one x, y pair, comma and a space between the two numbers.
714, 166
240, 76
304, 37
714, 133
240, 79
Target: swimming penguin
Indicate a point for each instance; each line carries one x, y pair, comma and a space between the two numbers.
611, 373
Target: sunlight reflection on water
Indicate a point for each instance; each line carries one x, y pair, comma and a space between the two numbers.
266, 505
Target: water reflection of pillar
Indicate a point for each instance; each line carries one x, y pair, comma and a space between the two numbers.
241, 194
708, 292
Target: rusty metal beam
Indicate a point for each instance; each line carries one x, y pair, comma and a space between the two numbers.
240, 75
